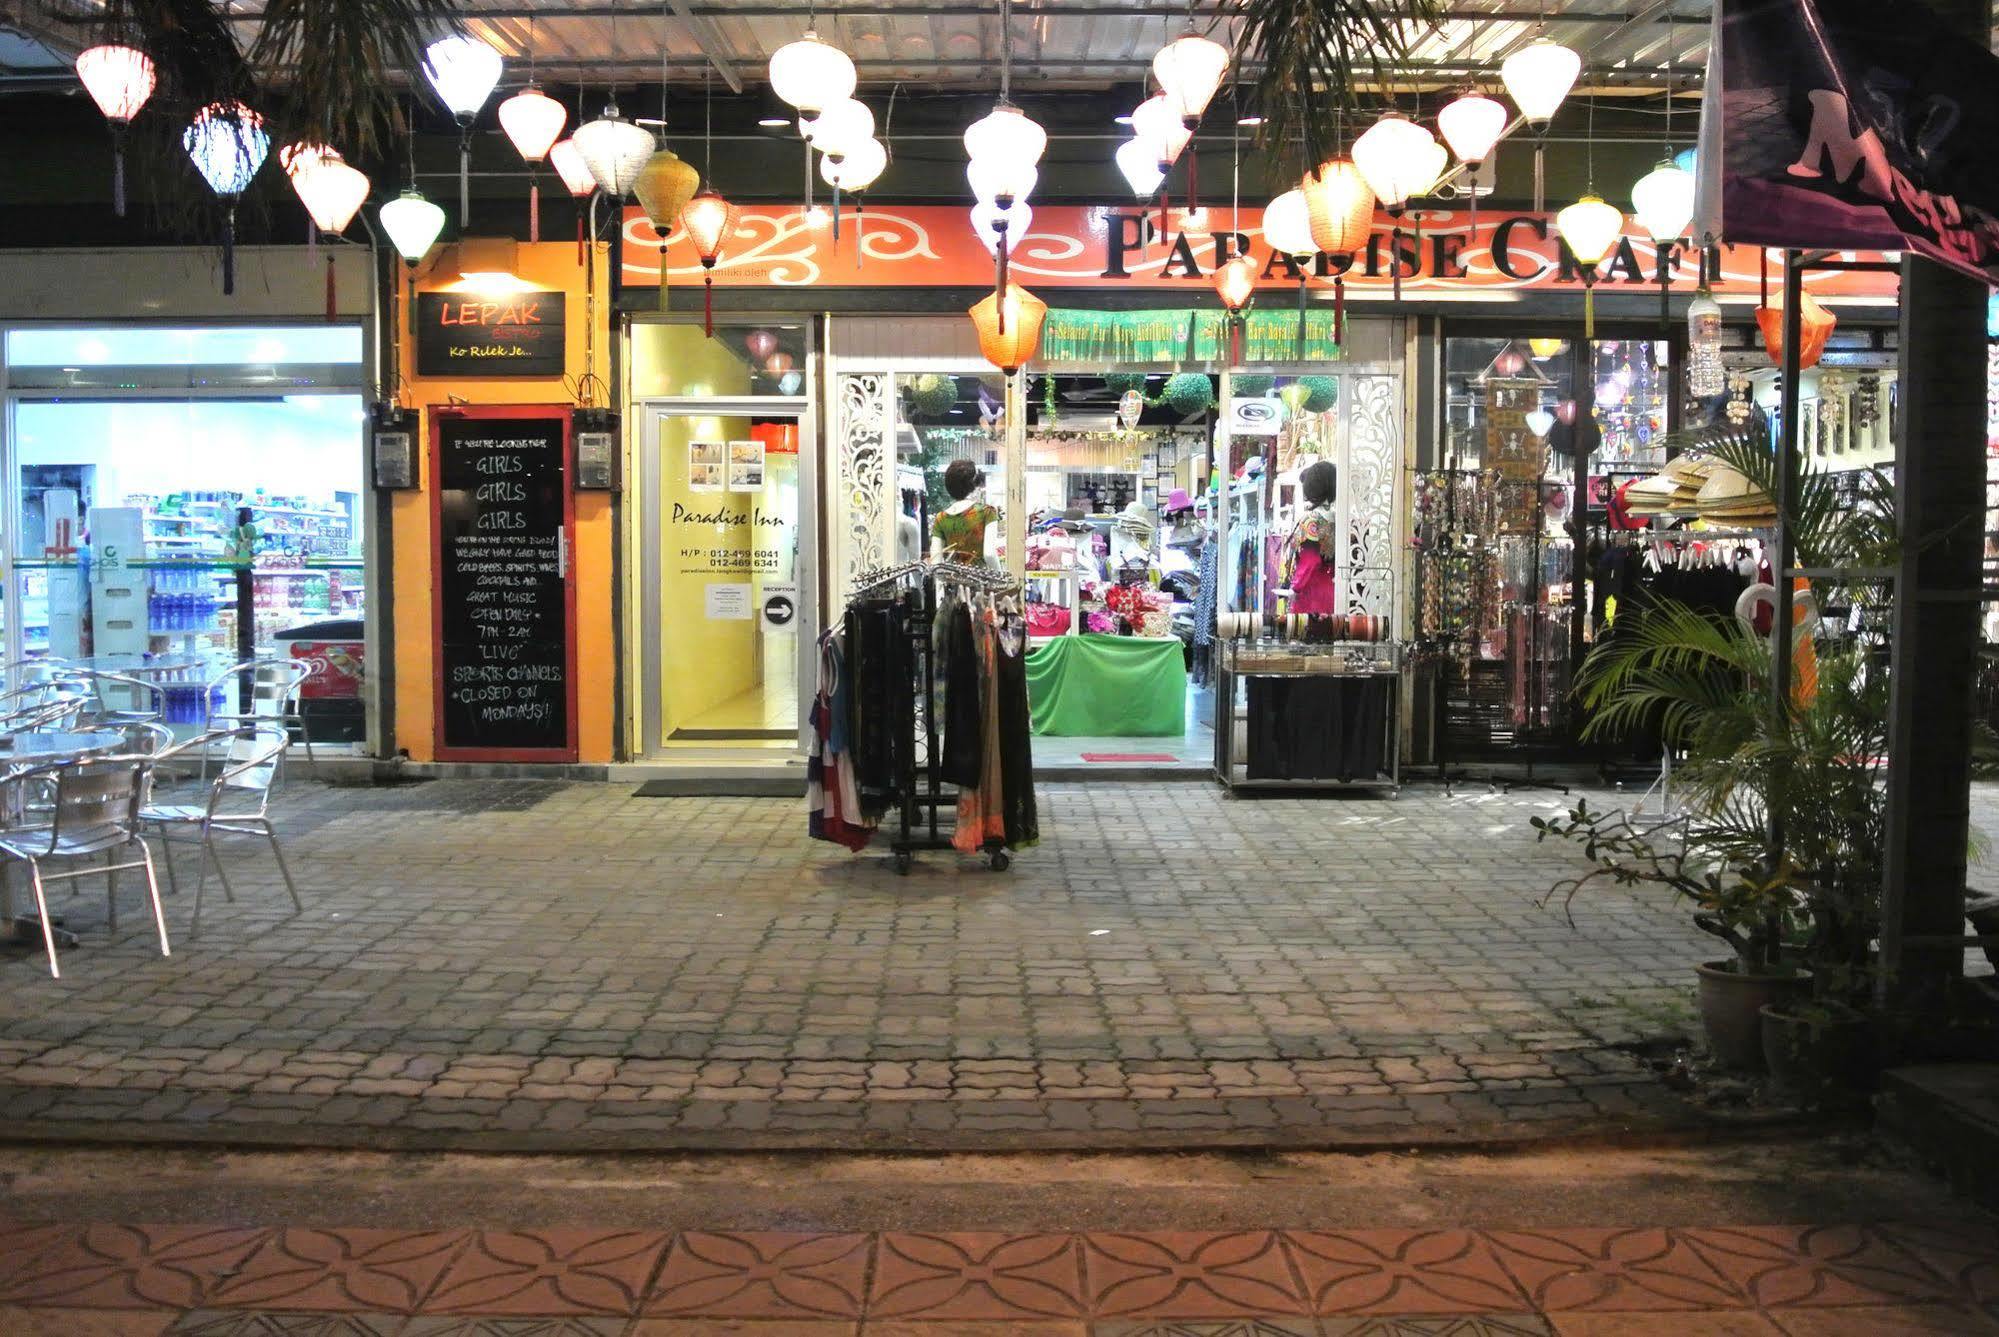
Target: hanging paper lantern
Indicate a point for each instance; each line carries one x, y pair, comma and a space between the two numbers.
995, 224
333, 192
119, 79
1139, 162
1508, 364
1008, 321
1472, 124
464, 71
295, 158
615, 150
1590, 228
933, 395
533, 121
1235, 282
1189, 70
788, 383
778, 363
1706, 377
1565, 413
1156, 124
1006, 135
1287, 225
857, 169
1815, 326
1663, 202
227, 144
1547, 348
663, 188
1538, 77
570, 165
413, 224
1188, 393
759, 344
843, 125
1003, 183
809, 74
1321, 393
1340, 206
1540, 422
710, 221
1399, 160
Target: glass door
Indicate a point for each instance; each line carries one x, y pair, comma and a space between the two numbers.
729, 608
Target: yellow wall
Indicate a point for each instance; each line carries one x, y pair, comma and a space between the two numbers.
550, 266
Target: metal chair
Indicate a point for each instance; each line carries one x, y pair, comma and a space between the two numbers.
95, 811
237, 802
118, 699
54, 716
274, 686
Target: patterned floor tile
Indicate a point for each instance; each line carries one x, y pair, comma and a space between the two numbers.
1636, 1270
1777, 1266
21, 1244
569, 1325
1909, 1320
1401, 1272
741, 1327
20, 1322
133, 1267
250, 1323
1230, 1327
549, 1272
976, 1276
1185, 1274
1728, 1323
763, 1275
387, 1271
1965, 1252
1436, 1325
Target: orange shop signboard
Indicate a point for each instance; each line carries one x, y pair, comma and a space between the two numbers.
1077, 246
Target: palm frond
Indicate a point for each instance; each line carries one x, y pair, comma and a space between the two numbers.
1307, 54
343, 60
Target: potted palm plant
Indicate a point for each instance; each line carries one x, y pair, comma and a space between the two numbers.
1780, 846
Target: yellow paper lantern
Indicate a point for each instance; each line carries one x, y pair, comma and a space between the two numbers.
664, 186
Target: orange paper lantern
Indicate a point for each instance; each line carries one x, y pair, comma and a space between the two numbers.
1815, 325
710, 221
1008, 322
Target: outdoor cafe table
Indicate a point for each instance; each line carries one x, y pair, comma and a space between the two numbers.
23, 752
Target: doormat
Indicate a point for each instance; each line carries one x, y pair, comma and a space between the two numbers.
748, 786
1129, 756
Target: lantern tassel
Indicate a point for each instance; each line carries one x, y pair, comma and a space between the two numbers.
1235, 339
1193, 168
534, 209
999, 285
662, 273
708, 305
1162, 213
1395, 260
118, 174
1301, 315
464, 179
1589, 309
1339, 309
1540, 175
1003, 249
836, 217
229, 252
860, 230
332, 294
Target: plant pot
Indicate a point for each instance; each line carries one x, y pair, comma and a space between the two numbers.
1821, 1057
1730, 1002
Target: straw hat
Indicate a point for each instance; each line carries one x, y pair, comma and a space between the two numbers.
1729, 495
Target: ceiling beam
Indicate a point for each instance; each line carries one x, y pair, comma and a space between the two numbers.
711, 46
1049, 9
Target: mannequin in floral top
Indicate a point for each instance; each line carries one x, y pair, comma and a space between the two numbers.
958, 534
1308, 553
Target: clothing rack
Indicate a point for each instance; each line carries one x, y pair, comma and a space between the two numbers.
921, 824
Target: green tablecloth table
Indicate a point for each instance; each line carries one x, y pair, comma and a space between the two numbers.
1108, 687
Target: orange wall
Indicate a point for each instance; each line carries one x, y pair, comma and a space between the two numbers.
550, 266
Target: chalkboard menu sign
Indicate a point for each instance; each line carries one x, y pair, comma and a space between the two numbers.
504, 606
465, 334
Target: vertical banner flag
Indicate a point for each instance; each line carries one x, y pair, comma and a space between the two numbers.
1855, 124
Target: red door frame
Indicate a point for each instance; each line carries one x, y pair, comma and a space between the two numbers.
502, 412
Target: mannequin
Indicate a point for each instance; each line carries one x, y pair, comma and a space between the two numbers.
962, 532
1310, 561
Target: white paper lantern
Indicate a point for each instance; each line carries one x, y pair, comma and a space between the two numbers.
1001, 182
1471, 125
1540, 422
1590, 227
413, 224
1663, 201
1399, 160
857, 169
615, 150
569, 164
464, 71
1287, 225
333, 193
808, 74
1006, 135
1139, 161
1538, 77
1189, 70
992, 223
533, 121
1156, 123
840, 127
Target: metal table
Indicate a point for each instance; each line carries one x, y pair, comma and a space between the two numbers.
24, 752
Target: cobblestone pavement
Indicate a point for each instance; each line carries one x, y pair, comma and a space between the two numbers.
111, 1280
561, 965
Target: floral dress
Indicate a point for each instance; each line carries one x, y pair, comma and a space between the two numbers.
963, 533
1308, 566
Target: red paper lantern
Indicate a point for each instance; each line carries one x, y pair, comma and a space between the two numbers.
1815, 325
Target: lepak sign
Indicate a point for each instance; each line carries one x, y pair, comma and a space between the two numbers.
1437, 254
466, 334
